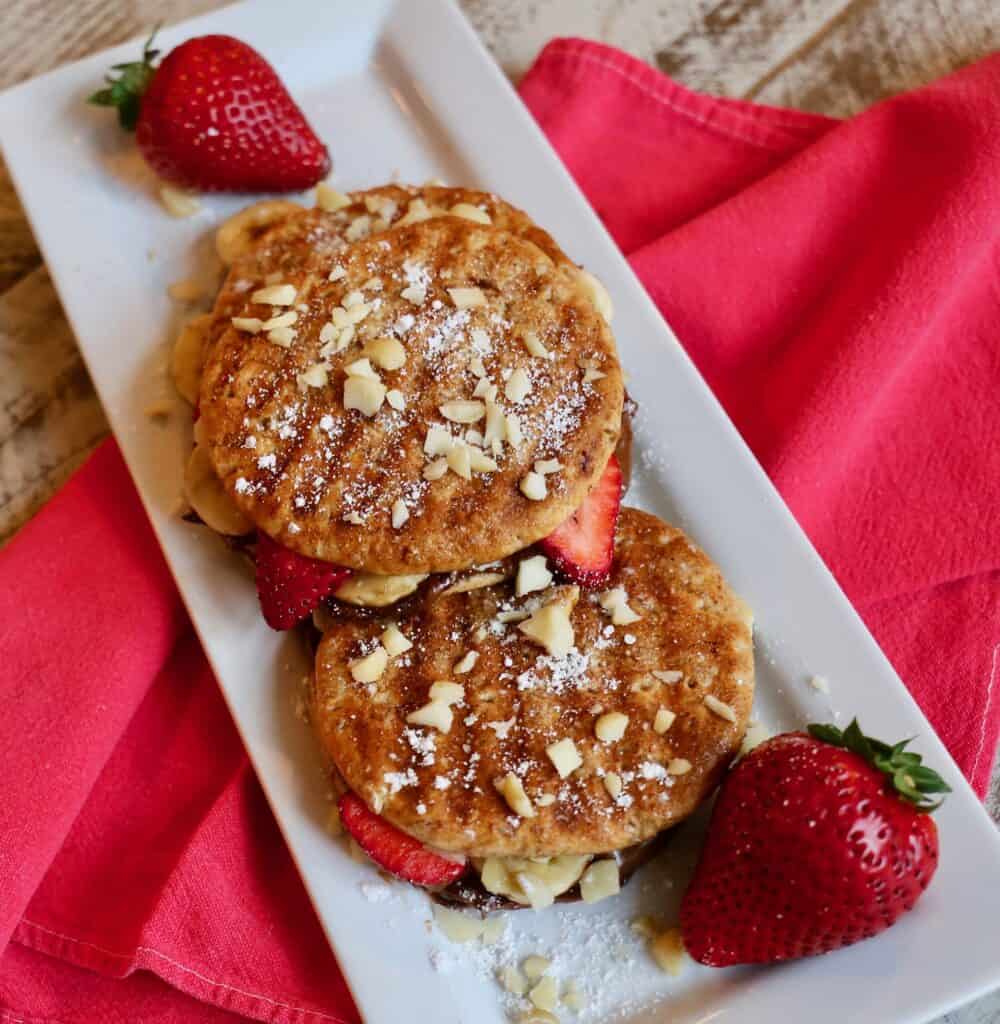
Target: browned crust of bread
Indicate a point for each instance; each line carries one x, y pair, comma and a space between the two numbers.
315, 466
691, 623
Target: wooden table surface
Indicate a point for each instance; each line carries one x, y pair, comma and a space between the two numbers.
834, 57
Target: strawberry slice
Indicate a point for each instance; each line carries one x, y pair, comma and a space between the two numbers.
290, 585
583, 548
400, 854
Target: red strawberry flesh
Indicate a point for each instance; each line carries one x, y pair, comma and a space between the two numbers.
583, 547
214, 116
289, 585
809, 849
400, 854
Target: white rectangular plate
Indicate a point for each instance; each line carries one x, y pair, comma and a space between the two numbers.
407, 89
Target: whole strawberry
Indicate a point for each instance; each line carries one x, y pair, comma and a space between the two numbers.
816, 841
290, 586
214, 116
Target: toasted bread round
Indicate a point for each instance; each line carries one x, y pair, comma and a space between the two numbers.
278, 237
689, 654
443, 309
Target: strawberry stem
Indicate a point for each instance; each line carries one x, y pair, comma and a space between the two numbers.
909, 777
125, 90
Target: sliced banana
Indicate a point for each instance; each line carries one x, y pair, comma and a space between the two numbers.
209, 499
534, 883
373, 591
188, 357
239, 234
598, 294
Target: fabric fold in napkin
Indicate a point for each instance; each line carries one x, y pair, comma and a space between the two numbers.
836, 283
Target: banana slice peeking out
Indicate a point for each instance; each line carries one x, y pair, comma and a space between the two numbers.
209, 499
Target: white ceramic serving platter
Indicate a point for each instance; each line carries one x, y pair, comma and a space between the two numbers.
406, 89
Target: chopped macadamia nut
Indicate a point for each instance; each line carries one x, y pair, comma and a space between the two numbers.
314, 377
600, 880
590, 375
358, 313
532, 574
329, 199
512, 790
466, 663
285, 319
518, 386
282, 336
564, 756
470, 212
447, 692
396, 399
475, 582
718, 707
496, 428
179, 203
667, 950
537, 1016
438, 441
456, 926
361, 368
337, 274
493, 929
513, 981
436, 469
668, 676
415, 293
275, 295
545, 995
611, 727
485, 389
386, 353
369, 669
613, 784
415, 212
395, 641
359, 228
459, 459
535, 966
572, 996
615, 603
467, 298
645, 926
534, 345
435, 715
480, 462
248, 324
462, 411
546, 799
364, 395
546, 467
533, 487
550, 627
513, 426
663, 720
678, 766
400, 513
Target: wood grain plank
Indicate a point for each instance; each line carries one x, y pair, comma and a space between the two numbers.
880, 48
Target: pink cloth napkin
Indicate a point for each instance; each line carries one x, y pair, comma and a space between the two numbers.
837, 285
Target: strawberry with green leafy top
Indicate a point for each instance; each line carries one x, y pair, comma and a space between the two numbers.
816, 841
214, 116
